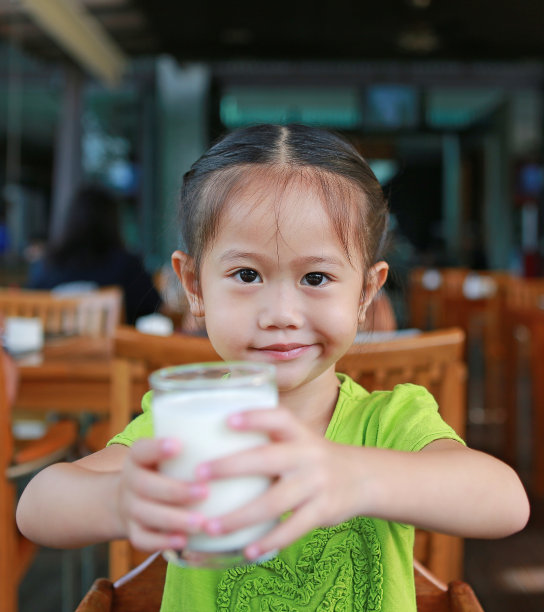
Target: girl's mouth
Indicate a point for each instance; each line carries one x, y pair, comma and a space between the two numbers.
283, 352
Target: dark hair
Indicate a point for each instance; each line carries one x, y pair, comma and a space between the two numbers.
91, 229
323, 160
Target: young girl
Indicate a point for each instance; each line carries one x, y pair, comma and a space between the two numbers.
283, 230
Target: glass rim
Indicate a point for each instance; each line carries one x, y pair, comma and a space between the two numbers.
246, 373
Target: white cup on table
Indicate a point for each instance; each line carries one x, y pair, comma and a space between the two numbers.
23, 334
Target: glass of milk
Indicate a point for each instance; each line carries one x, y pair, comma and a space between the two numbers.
192, 403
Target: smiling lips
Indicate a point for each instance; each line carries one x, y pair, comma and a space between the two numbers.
284, 352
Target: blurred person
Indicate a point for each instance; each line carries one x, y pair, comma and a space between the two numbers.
90, 251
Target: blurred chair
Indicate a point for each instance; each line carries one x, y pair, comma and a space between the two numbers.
433, 595
93, 313
476, 306
141, 591
136, 355
21, 458
423, 288
427, 288
523, 327
433, 360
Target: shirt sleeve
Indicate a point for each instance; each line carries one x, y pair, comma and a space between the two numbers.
408, 419
139, 427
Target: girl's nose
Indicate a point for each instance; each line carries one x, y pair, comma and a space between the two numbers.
281, 308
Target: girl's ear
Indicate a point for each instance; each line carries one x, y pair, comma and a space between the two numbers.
184, 267
374, 281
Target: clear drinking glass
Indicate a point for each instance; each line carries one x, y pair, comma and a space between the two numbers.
192, 403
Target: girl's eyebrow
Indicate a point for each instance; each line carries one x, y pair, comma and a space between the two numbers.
233, 254
306, 260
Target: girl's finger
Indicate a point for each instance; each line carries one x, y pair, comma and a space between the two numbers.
151, 451
151, 541
284, 495
278, 423
269, 460
160, 488
151, 516
294, 527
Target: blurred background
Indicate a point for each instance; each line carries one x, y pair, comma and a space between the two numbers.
444, 98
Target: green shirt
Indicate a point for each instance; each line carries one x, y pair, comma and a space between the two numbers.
360, 565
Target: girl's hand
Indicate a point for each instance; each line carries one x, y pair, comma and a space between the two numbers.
314, 478
152, 508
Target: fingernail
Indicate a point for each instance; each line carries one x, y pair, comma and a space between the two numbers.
214, 527
236, 420
195, 521
177, 541
203, 471
198, 490
252, 552
170, 446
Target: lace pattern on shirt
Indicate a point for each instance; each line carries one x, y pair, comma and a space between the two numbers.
339, 568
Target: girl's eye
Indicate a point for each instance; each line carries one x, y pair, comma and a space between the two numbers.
247, 275
314, 279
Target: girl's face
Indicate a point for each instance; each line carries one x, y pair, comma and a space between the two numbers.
276, 286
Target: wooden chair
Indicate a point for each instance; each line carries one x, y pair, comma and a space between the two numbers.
523, 327
435, 361
433, 595
427, 289
422, 300
93, 313
20, 458
476, 306
136, 355
141, 591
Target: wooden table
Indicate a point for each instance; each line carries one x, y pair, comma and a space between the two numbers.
70, 375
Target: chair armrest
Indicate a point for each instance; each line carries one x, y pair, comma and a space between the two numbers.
99, 598
33, 455
463, 598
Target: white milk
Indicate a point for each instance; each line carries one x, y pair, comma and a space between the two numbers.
198, 420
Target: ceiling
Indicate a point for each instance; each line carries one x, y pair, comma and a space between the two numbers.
306, 30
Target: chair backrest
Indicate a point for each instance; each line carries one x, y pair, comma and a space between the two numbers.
427, 289
136, 355
524, 309
435, 361
16, 551
431, 359
141, 591
94, 313
8, 549
525, 293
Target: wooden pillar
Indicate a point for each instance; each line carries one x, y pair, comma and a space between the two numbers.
67, 166
451, 193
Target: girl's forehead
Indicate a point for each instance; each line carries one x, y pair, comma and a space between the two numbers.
282, 196
273, 215
287, 193
282, 211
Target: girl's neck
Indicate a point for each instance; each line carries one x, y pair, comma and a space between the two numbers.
314, 403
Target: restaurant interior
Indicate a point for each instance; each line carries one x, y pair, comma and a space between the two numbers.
443, 99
